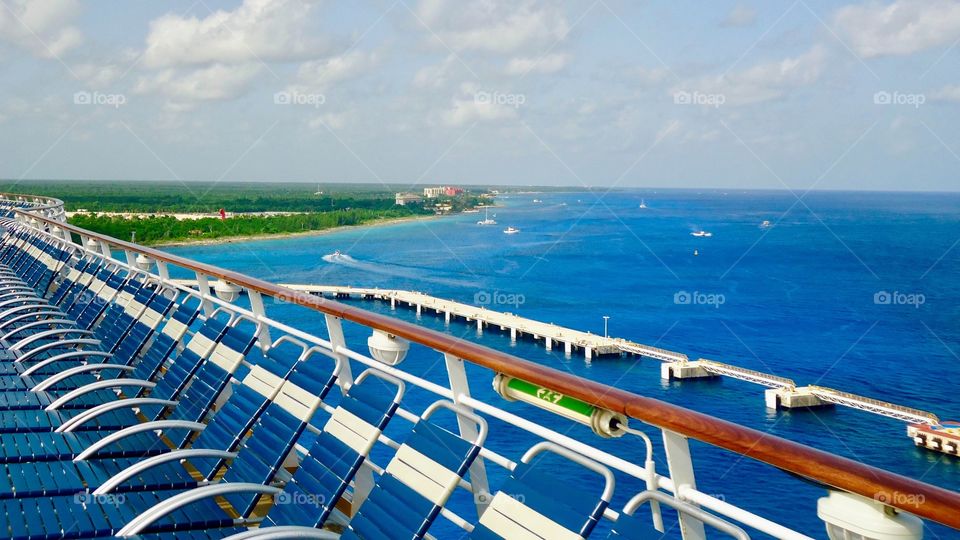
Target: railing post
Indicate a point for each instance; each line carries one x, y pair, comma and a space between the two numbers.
457, 373
256, 305
681, 472
203, 285
162, 270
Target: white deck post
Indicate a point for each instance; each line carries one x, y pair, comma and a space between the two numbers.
680, 463
457, 374
256, 305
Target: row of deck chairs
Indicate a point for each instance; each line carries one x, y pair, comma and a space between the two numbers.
125, 410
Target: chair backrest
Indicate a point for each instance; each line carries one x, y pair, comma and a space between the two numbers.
529, 505
101, 295
275, 435
418, 481
340, 449
181, 370
250, 398
164, 342
122, 315
212, 378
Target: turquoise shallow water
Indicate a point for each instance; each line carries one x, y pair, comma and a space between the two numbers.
804, 299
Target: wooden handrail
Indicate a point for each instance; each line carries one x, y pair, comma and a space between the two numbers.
934, 503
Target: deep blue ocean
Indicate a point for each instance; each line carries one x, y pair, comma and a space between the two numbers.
804, 298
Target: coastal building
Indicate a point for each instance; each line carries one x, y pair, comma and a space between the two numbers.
452, 191
432, 192
404, 199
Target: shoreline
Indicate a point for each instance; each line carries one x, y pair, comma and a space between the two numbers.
280, 236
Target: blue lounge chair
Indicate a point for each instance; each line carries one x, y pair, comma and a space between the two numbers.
217, 439
352, 429
27, 446
530, 506
258, 462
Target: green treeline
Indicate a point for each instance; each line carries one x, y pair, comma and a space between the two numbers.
159, 229
208, 197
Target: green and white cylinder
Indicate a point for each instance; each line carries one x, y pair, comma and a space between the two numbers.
603, 422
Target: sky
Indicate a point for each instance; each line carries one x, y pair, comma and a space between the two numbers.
771, 95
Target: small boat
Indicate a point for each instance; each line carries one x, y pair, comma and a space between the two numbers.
696, 252
472, 211
766, 224
701, 234
511, 230
486, 218
337, 253
643, 203
537, 201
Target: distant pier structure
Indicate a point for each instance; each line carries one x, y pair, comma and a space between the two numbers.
780, 393
551, 335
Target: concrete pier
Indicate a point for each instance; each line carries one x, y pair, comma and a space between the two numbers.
684, 370
793, 398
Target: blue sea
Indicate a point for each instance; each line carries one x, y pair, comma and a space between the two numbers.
855, 291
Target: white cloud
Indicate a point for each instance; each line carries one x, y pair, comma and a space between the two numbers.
324, 73
762, 82
740, 16
184, 91
899, 28
550, 63
334, 121
105, 71
947, 93
256, 31
476, 105
498, 26
41, 27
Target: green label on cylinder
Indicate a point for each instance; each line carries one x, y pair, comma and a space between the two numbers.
551, 396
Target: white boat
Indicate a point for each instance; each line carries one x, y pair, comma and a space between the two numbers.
701, 234
643, 203
486, 218
766, 224
511, 230
537, 201
471, 211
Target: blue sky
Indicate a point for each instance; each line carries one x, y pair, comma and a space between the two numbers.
795, 95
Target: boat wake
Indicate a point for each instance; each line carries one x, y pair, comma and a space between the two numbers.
394, 270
